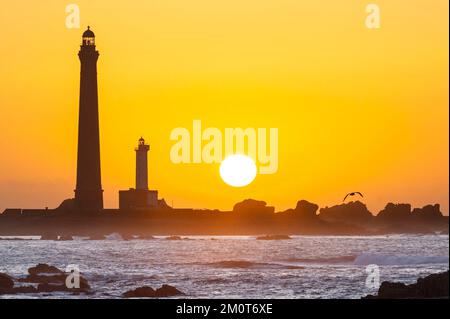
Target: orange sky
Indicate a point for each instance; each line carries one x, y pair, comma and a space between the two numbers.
356, 109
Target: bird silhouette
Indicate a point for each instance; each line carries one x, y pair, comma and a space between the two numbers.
352, 194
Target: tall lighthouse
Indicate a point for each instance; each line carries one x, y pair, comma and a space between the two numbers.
88, 192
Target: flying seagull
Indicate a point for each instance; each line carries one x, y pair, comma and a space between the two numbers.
352, 194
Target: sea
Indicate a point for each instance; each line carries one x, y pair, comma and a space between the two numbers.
347, 267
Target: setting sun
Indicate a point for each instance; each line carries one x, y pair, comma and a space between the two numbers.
238, 170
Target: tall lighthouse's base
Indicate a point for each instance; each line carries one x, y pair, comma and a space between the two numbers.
89, 200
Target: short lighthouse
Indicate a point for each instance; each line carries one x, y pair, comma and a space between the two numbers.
141, 165
140, 197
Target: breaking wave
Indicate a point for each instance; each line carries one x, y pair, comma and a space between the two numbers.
378, 259
324, 260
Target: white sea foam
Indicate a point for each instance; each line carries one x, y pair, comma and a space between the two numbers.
114, 236
380, 259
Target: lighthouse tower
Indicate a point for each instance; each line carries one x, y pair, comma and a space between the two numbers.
141, 165
140, 197
88, 192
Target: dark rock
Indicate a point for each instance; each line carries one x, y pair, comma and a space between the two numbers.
251, 206
351, 213
18, 290
24, 290
59, 279
50, 279
394, 290
149, 292
58, 283
127, 236
178, 238
140, 292
49, 237
428, 213
273, 237
44, 269
53, 288
167, 291
174, 238
7, 286
65, 238
50, 288
432, 286
6, 282
395, 212
306, 210
398, 218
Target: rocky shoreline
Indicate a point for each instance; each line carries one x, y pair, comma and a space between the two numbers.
249, 217
434, 286
43, 279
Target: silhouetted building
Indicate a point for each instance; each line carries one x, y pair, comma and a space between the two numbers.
88, 192
141, 196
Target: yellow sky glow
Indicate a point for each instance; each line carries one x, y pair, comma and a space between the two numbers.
356, 109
